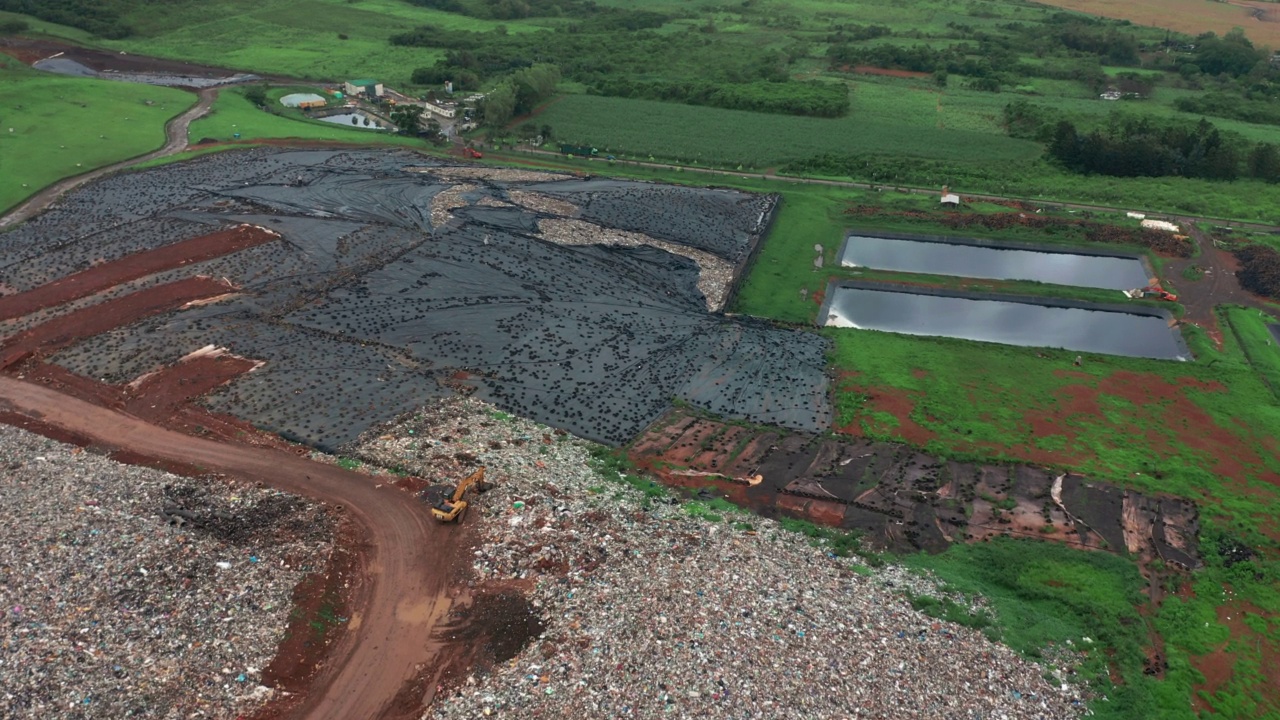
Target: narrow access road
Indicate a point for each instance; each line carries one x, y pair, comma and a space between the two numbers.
175, 132
403, 592
802, 180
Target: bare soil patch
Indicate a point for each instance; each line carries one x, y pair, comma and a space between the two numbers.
1189, 16
88, 322
905, 499
888, 72
108, 275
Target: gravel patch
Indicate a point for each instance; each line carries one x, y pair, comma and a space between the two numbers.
654, 611
492, 174
126, 592
714, 273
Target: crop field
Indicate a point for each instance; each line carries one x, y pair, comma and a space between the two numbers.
714, 136
1188, 16
50, 126
966, 152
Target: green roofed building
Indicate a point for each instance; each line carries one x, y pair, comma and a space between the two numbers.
364, 86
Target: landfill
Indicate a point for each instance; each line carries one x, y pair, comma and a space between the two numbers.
585, 303
653, 608
128, 592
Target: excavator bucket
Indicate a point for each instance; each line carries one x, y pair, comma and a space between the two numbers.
451, 508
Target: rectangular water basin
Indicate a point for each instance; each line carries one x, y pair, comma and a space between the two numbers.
993, 261
1012, 322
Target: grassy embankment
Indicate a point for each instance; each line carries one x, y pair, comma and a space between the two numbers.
64, 126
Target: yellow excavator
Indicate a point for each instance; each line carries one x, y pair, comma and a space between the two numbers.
451, 508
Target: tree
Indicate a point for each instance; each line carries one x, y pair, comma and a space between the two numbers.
1233, 54
407, 118
1264, 162
256, 94
500, 105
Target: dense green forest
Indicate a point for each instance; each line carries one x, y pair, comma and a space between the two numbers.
100, 17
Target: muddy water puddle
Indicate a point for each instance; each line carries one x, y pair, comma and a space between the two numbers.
355, 120
1004, 321
993, 262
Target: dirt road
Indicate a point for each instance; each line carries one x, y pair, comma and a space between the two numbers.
517, 156
395, 609
175, 132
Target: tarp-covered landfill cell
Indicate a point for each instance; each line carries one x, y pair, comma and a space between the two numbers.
390, 286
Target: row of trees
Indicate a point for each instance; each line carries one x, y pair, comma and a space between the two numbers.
815, 98
1139, 148
94, 16
578, 10
520, 93
1236, 107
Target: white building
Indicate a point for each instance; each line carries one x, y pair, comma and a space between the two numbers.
445, 111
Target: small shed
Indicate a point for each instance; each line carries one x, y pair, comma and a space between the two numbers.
1164, 225
364, 86
950, 200
306, 101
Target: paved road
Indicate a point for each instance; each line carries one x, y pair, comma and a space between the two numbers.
404, 593
175, 142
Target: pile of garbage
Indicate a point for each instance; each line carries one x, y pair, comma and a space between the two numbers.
130, 592
655, 607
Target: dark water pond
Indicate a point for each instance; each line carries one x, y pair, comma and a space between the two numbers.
1000, 321
997, 263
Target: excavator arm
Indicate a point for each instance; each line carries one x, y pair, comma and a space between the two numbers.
449, 509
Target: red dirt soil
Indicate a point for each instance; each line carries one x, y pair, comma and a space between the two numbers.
396, 610
898, 403
65, 330
394, 580
1218, 666
888, 72
131, 267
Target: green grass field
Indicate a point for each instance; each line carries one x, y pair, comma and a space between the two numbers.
713, 136
965, 155
53, 127
297, 38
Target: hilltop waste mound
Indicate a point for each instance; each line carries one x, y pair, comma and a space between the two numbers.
644, 607
587, 304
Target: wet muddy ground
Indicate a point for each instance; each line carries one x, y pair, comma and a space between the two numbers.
374, 275
905, 499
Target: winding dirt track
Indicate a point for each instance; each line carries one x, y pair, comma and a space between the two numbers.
175, 133
404, 594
